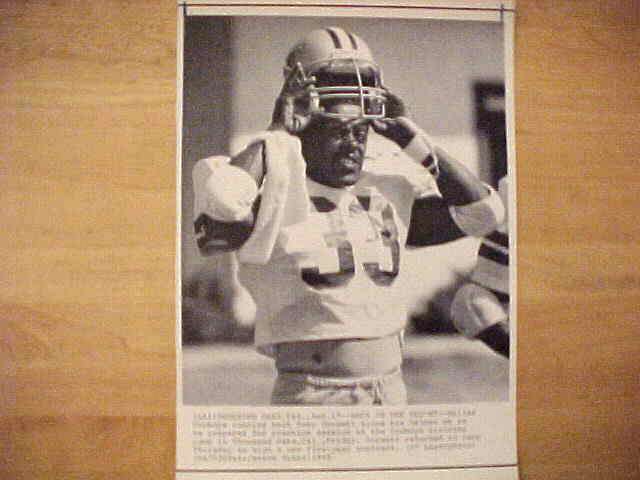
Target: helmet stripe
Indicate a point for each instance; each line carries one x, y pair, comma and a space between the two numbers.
343, 36
334, 37
354, 43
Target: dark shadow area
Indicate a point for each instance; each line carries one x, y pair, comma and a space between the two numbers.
490, 126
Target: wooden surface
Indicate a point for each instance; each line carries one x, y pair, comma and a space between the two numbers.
87, 182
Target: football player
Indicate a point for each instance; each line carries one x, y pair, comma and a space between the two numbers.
480, 307
321, 253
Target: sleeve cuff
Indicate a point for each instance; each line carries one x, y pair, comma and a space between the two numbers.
479, 218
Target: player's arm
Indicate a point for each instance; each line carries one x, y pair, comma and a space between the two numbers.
227, 194
467, 206
233, 202
432, 222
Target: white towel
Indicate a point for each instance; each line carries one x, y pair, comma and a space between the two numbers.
284, 195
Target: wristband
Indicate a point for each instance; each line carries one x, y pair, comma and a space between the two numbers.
420, 151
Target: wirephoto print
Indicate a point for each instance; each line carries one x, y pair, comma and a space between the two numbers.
346, 295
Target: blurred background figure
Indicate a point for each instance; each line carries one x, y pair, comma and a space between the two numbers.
480, 308
215, 306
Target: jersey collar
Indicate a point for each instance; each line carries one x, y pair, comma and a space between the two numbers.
342, 197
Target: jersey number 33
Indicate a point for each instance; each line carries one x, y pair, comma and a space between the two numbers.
336, 240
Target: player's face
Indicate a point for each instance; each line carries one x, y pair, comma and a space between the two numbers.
334, 148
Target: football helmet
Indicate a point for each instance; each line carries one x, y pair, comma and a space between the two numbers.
332, 66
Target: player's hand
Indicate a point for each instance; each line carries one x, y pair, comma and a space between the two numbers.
396, 126
287, 113
394, 105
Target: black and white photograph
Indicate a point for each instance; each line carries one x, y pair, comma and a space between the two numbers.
344, 215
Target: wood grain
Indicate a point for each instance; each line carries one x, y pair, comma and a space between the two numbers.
577, 114
88, 188
87, 183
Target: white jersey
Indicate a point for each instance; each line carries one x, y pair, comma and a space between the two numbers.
333, 275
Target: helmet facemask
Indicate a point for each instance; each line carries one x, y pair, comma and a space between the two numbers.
348, 80
340, 81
